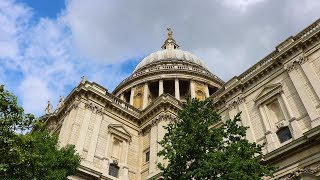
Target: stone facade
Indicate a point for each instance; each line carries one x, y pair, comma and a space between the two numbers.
116, 133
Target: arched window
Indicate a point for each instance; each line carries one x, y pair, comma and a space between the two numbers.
114, 170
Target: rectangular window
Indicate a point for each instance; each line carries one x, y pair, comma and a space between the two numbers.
284, 134
147, 156
113, 170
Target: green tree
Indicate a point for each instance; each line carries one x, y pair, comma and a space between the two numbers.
195, 146
32, 155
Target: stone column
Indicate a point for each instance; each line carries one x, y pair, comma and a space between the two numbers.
160, 87
131, 96
207, 91
94, 137
296, 131
153, 148
311, 110
145, 96
264, 118
122, 96
246, 121
192, 90
176, 88
311, 75
271, 140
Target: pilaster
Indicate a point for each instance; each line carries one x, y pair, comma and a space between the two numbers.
153, 148
311, 75
84, 127
246, 120
311, 110
94, 138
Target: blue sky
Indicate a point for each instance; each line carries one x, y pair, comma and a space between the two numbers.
47, 45
44, 8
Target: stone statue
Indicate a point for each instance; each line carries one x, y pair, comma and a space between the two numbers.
49, 108
61, 102
83, 79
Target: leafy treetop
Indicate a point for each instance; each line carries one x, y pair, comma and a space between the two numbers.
25, 155
194, 148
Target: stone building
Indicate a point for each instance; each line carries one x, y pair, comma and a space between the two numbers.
116, 133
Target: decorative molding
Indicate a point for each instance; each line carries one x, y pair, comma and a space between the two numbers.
89, 106
120, 131
267, 92
162, 117
95, 108
290, 67
281, 124
232, 105
302, 59
300, 171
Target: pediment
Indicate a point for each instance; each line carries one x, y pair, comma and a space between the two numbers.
172, 103
267, 92
119, 130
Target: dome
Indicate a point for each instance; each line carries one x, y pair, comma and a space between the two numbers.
170, 54
168, 71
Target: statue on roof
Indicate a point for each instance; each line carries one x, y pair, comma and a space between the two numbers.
61, 102
49, 108
83, 79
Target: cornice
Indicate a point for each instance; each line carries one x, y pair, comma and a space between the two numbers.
95, 98
306, 170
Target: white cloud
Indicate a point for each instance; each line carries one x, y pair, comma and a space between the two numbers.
12, 20
35, 93
41, 59
240, 5
47, 57
113, 31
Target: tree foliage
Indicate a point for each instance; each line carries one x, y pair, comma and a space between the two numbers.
195, 146
33, 155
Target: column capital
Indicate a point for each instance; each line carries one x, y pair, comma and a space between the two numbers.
290, 67
302, 59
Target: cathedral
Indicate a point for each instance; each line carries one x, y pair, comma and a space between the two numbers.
116, 133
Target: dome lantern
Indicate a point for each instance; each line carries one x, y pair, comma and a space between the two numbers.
170, 43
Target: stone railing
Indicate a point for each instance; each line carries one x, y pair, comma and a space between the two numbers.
94, 87
309, 30
123, 105
176, 67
